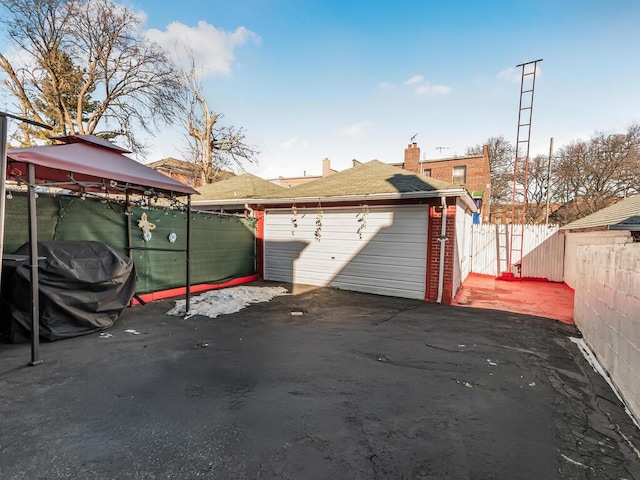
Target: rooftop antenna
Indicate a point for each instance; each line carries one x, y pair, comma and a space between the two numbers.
414, 137
440, 149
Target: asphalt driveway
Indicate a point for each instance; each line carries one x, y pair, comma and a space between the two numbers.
357, 387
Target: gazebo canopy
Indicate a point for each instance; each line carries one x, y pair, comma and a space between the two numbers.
88, 163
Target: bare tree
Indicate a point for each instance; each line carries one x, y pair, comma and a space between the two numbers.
501, 156
83, 67
210, 145
537, 181
590, 175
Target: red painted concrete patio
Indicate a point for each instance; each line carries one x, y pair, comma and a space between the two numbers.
544, 299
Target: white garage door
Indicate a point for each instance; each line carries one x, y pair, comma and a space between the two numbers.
389, 259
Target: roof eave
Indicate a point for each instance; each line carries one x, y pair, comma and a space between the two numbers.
630, 227
463, 194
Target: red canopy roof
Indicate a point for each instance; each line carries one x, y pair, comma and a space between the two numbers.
76, 165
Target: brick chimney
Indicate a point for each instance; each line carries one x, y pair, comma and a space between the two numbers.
412, 158
326, 167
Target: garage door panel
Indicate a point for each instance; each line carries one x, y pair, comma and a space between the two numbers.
319, 261
391, 291
327, 251
390, 259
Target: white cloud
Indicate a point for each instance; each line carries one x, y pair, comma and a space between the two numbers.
294, 142
426, 89
213, 48
419, 85
510, 74
413, 80
423, 87
357, 129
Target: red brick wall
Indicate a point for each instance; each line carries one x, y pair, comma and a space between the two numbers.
433, 267
478, 175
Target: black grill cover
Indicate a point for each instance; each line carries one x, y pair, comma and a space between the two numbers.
84, 287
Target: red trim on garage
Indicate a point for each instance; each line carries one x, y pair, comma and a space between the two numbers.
175, 292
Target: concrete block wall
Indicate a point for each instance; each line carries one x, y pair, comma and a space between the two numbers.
607, 312
574, 240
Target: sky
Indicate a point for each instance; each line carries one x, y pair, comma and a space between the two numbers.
351, 79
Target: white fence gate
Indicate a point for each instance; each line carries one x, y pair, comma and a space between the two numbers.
543, 250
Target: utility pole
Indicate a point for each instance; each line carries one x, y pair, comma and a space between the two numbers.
546, 222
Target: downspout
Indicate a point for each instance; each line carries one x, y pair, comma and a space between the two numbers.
249, 209
442, 239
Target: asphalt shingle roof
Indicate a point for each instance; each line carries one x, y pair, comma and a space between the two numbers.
624, 213
241, 186
369, 178
183, 167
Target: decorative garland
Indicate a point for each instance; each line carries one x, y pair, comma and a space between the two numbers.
294, 219
318, 232
362, 220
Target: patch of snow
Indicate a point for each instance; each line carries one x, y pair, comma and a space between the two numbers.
572, 461
223, 302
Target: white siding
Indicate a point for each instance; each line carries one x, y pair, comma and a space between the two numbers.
461, 265
390, 259
543, 250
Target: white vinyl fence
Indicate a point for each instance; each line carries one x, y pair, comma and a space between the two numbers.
543, 250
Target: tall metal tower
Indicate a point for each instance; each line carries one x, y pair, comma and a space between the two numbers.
521, 164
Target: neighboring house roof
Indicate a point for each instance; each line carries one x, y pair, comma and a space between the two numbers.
426, 163
373, 180
243, 186
623, 215
369, 181
188, 170
369, 178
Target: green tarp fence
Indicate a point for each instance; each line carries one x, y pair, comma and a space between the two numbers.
222, 247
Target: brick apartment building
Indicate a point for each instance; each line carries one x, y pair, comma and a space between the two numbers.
471, 172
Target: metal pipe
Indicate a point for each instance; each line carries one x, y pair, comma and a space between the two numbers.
128, 212
188, 286
442, 240
3, 184
33, 261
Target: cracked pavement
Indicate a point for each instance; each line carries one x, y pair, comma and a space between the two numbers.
358, 386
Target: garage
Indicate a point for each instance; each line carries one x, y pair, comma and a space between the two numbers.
373, 228
379, 250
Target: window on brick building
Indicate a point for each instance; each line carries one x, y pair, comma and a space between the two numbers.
426, 172
459, 175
